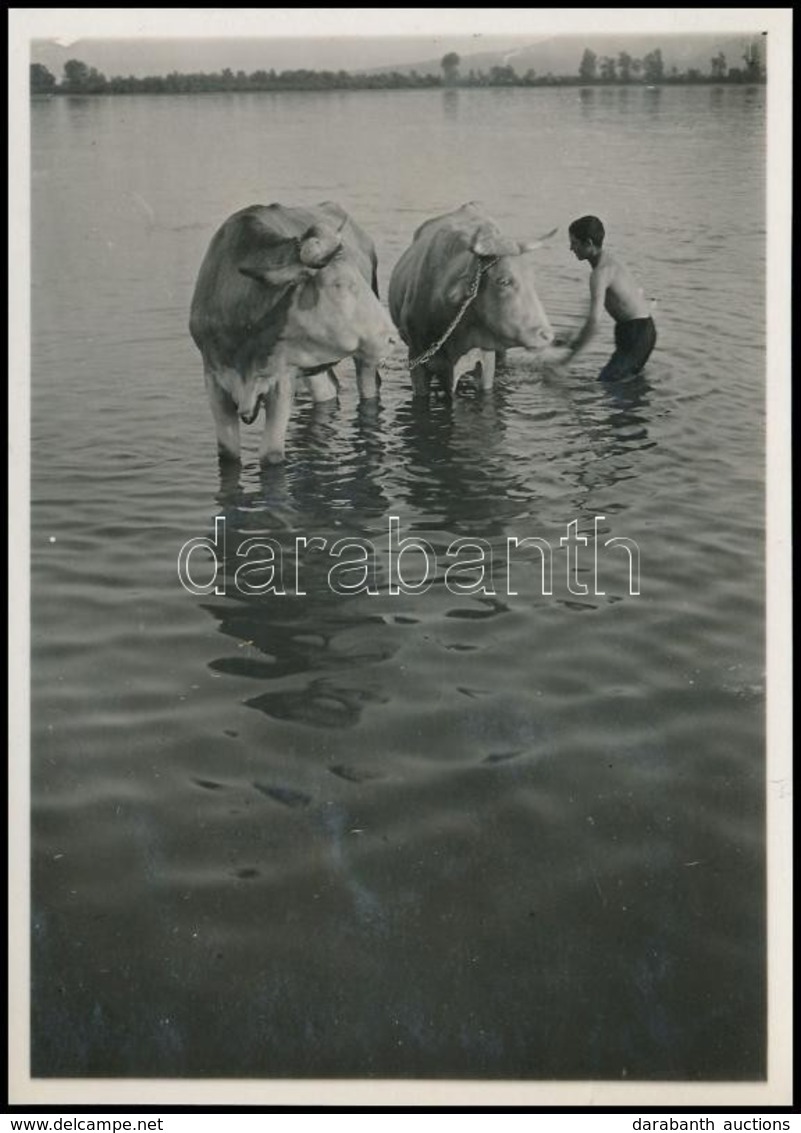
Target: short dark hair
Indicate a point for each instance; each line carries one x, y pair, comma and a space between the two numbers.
588, 228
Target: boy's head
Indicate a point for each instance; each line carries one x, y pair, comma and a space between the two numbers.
586, 236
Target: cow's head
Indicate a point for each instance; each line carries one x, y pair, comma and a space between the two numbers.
332, 311
507, 304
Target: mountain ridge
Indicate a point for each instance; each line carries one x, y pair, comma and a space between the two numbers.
561, 55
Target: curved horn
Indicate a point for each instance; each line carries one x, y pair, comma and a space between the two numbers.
318, 245
532, 245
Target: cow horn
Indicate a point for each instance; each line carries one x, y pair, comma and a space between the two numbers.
318, 245
532, 245
489, 242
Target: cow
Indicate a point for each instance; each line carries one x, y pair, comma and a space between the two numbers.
284, 294
462, 293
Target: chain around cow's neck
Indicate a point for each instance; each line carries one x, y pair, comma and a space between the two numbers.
472, 291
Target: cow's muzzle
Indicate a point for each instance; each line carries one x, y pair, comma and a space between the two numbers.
249, 416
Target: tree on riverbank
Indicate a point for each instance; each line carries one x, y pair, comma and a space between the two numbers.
653, 69
718, 65
80, 79
42, 80
754, 66
588, 68
450, 69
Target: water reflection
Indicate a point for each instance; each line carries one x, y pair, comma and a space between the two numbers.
310, 652
587, 101
621, 427
612, 421
337, 467
606, 96
304, 570
296, 547
457, 467
652, 100
450, 104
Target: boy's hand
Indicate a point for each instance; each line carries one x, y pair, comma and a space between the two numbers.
554, 359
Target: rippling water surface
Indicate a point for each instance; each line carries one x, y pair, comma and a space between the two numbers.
433, 834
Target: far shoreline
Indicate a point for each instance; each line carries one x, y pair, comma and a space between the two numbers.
554, 84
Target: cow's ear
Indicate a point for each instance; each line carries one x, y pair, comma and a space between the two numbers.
532, 245
275, 265
275, 276
272, 274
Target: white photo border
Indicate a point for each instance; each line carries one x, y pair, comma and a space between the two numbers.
73, 24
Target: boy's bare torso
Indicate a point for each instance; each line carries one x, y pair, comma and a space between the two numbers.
623, 297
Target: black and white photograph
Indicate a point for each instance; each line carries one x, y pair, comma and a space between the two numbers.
400, 660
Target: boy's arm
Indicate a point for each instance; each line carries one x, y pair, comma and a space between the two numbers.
566, 350
599, 281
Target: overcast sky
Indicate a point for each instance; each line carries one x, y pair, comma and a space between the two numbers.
347, 38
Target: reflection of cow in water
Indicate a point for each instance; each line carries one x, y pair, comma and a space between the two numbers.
284, 293
310, 654
462, 293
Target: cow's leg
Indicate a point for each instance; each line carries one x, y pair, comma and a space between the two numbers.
277, 408
323, 386
226, 418
367, 379
487, 380
500, 358
420, 381
468, 363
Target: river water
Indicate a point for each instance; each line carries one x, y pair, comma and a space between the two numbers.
507, 834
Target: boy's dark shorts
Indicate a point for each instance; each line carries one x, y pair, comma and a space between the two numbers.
634, 341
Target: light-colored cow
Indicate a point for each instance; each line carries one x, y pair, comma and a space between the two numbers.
463, 292
283, 294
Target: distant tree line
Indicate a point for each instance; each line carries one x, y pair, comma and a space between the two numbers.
623, 68
620, 69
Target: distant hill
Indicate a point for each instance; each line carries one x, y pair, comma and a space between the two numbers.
561, 55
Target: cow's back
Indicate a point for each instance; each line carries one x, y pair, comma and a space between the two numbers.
227, 305
440, 253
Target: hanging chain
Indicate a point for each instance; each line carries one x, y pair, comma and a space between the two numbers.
484, 265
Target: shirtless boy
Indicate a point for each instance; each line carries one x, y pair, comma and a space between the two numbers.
611, 286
